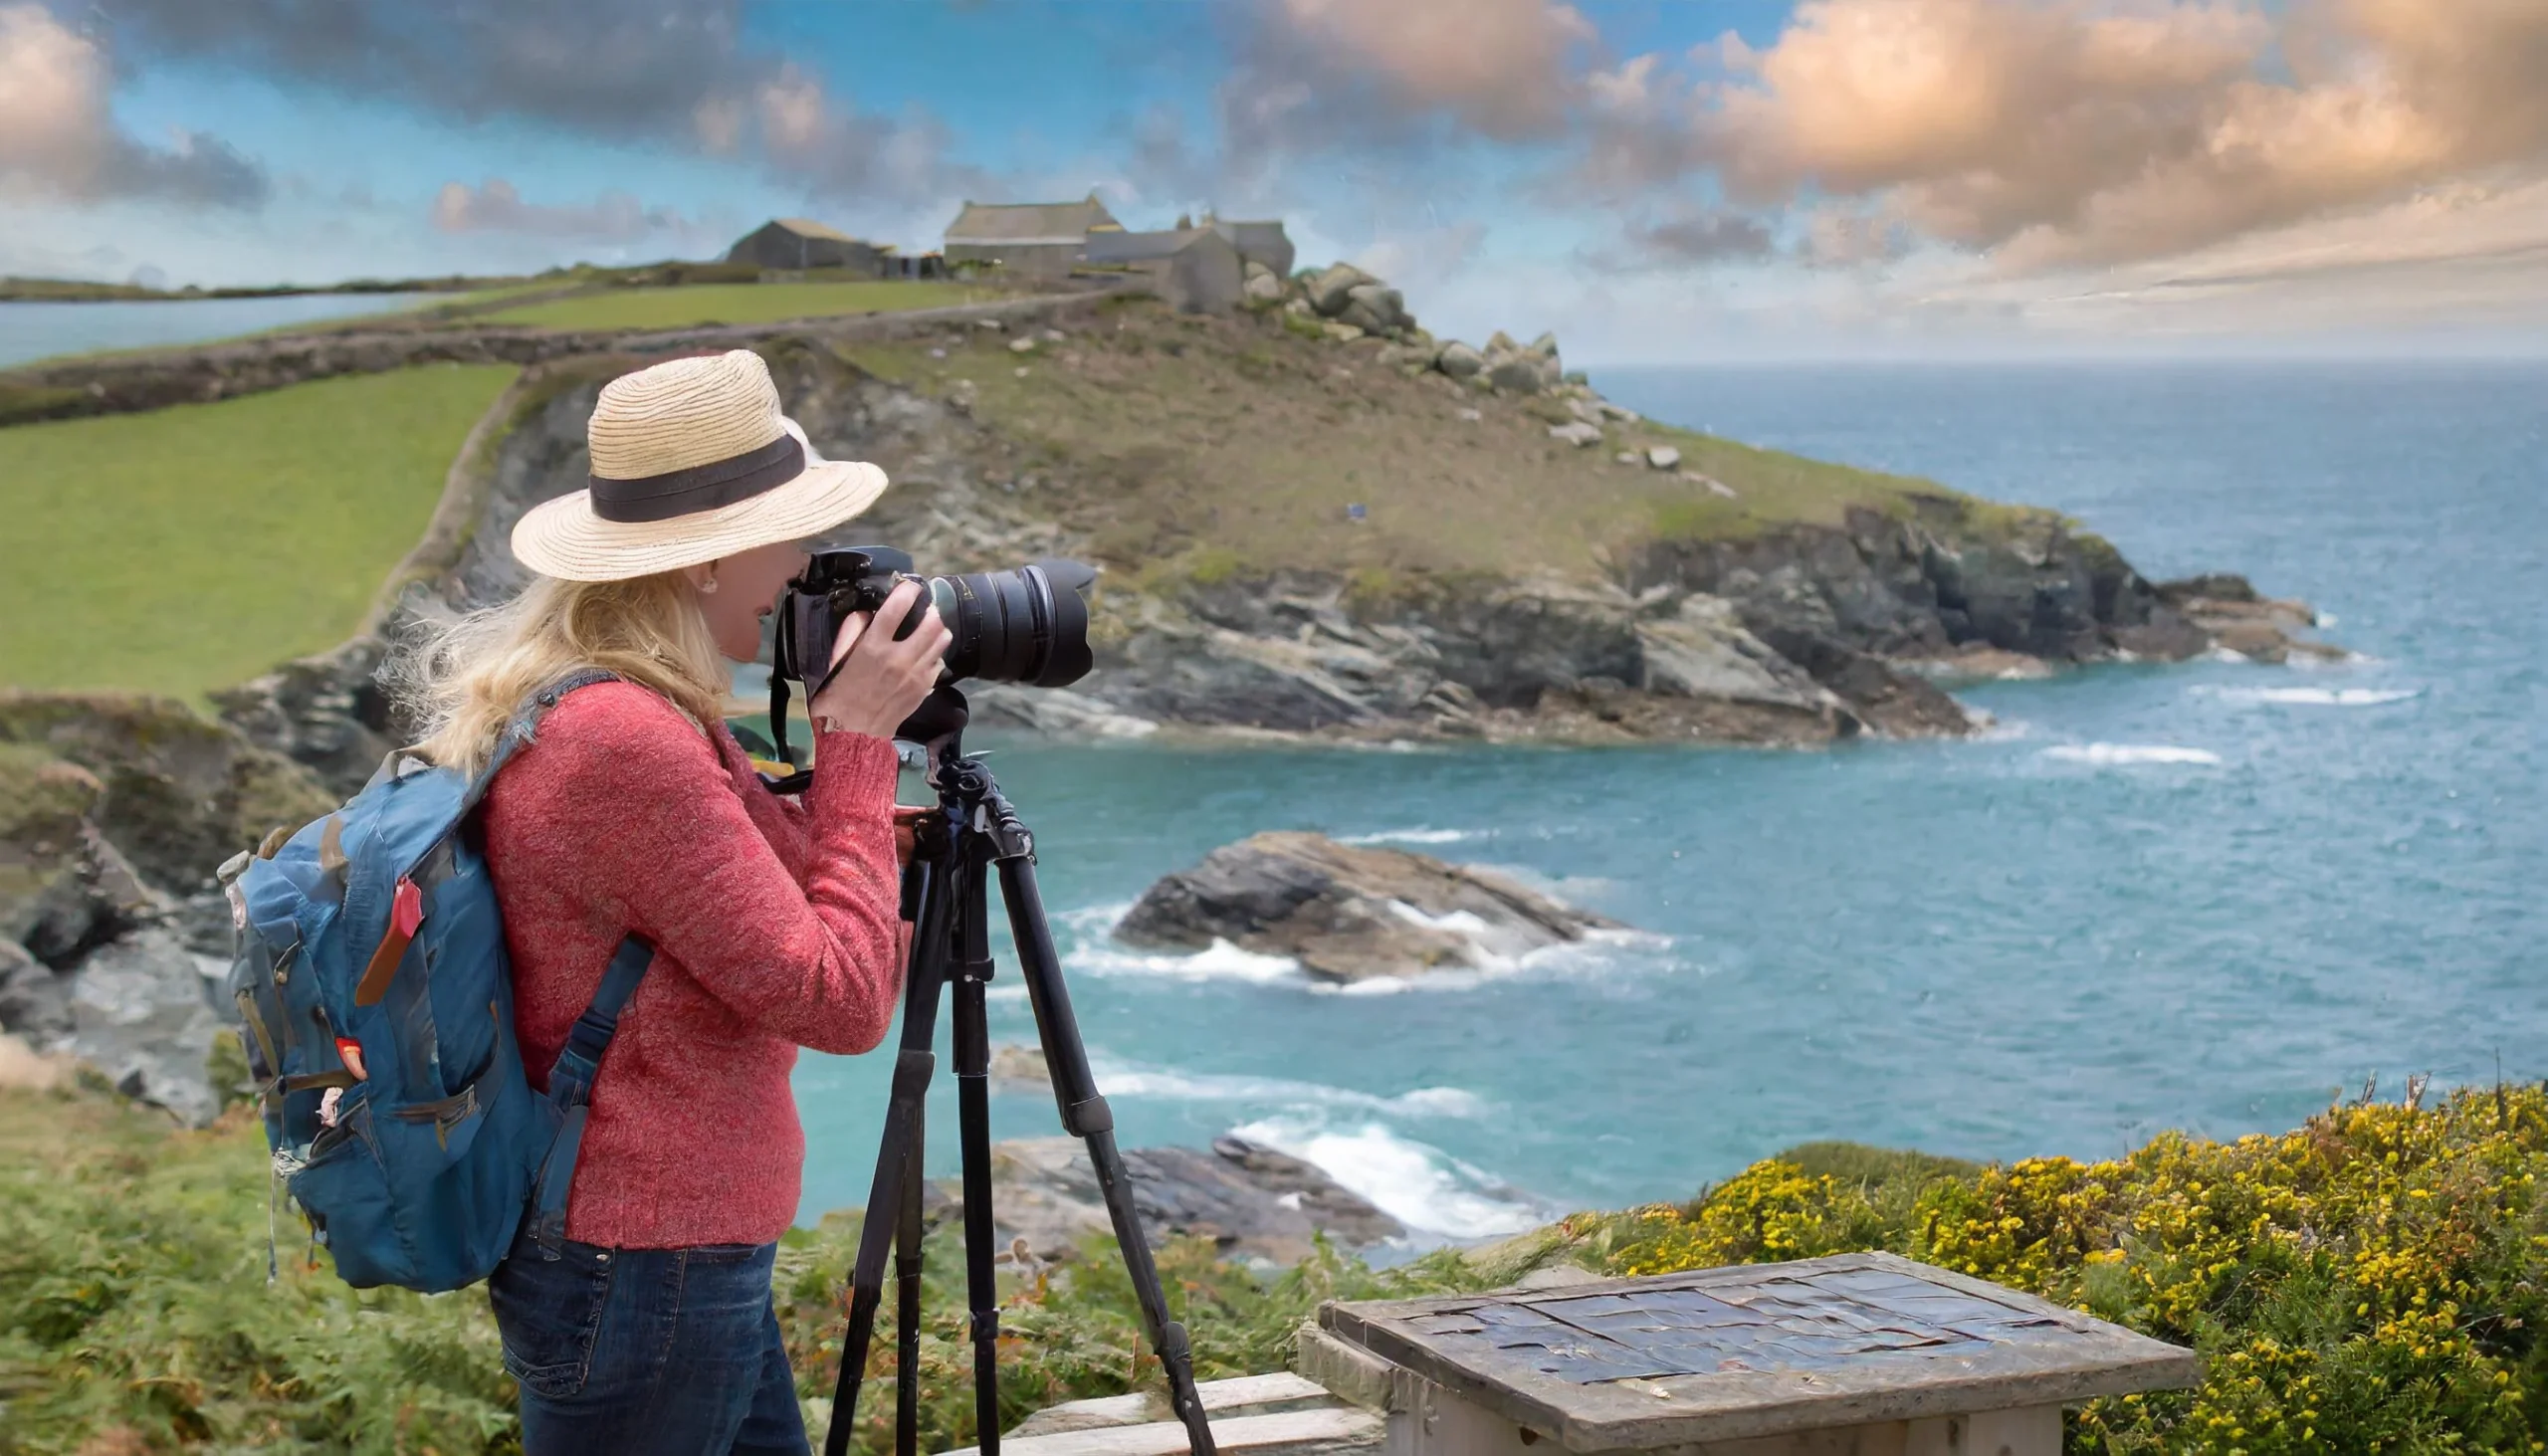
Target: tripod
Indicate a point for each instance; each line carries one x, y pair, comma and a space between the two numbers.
945, 897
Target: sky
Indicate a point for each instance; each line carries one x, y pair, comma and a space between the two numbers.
1655, 180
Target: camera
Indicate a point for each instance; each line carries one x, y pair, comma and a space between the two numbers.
1025, 625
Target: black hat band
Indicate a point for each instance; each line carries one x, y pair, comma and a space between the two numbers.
701, 487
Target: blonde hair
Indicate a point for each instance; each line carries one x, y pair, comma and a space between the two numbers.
462, 681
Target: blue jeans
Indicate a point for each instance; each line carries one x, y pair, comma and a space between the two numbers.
647, 1352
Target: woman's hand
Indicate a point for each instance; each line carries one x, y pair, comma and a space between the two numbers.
878, 681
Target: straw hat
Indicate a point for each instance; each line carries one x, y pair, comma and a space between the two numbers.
691, 461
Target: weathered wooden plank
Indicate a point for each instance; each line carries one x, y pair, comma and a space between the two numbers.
1334, 1431
1242, 1394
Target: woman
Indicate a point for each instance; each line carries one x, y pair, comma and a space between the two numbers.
635, 811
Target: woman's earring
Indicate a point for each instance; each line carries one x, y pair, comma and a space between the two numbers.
710, 585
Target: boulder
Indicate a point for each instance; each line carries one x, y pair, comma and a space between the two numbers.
1020, 1068
64, 889
2228, 613
182, 794
1375, 309
1663, 456
1253, 1203
1459, 361
1348, 912
1518, 373
143, 1014
1342, 333
35, 1000
1544, 347
1577, 432
1329, 290
1262, 287
1618, 412
327, 711
1704, 651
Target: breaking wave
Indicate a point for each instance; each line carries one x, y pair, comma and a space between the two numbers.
1419, 1186
1415, 836
2116, 755
2318, 696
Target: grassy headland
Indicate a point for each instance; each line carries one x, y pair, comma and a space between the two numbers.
2369, 1281
1234, 446
734, 303
194, 548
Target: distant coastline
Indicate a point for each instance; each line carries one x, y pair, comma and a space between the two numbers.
82, 291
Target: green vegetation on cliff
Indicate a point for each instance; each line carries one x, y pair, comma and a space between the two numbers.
1233, 447
194, 548
2370, 1282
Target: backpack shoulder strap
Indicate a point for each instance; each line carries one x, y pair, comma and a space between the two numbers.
525, 727
570, 1087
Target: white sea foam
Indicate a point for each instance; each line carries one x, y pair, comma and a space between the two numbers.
2113, 756
1600, 954
2318, 696
1221, 960
1093, 920
1415, 836
1122, 1080
1457, 921
1420, 1186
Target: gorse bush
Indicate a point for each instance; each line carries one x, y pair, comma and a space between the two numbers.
2373, 1281
136, 1314
2368, 1282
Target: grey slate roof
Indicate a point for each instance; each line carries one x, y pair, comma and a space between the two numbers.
1028, 222
808, 228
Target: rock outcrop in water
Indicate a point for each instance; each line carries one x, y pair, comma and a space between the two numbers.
1253, 1203
1347, 913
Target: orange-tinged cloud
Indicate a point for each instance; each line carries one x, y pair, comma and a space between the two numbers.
2063, 131
1501, 67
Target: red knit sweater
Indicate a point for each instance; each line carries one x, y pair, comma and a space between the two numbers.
776, 926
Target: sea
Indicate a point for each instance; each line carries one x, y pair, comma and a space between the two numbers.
2211, 897
40, 331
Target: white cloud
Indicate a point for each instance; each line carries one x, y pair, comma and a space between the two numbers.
58, 138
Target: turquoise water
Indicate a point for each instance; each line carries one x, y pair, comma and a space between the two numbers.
2199, 897
41, 330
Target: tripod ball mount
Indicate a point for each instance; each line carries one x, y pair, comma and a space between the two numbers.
976, 835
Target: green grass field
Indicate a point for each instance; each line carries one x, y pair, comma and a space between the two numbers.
738, 302
194, 548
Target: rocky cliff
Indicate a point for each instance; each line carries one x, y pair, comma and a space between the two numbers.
1324, 530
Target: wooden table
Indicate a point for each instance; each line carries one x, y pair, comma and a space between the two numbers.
1855, 1355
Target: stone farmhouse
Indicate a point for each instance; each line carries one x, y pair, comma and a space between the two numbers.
1040, 238
797, 244
1201, 265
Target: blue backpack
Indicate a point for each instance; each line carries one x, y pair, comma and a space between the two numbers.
376, 1009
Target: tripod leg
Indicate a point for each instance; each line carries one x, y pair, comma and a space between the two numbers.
913, 1067
907, 1293
974, 1118
1085, 1116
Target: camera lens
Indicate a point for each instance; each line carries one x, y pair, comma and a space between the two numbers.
1028, 625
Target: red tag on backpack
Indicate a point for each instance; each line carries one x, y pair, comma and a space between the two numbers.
406, 912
